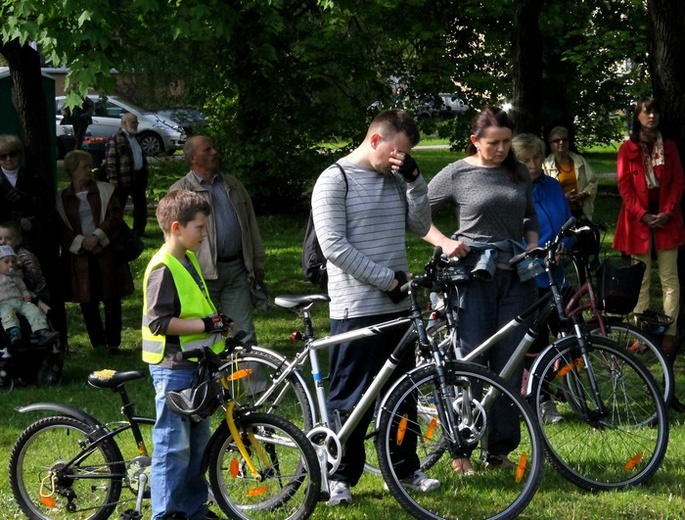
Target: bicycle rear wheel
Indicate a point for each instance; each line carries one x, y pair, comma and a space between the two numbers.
677, 362
613, 446
251, 379
644, 347
498, 493
57, 473
288, 479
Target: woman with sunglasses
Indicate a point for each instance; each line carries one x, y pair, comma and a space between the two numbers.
21, 194
573, 172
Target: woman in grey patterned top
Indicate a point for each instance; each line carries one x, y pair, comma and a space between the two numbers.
492, 196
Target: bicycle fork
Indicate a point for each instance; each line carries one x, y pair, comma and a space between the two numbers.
245, 452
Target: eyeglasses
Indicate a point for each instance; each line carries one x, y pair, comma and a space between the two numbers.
10, 155
559, 140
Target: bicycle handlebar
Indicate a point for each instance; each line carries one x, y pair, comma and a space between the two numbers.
201, 352
551, 247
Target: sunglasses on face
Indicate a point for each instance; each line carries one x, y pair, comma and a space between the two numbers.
559, 140
10, 155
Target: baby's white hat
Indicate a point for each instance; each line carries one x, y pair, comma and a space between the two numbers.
6, 251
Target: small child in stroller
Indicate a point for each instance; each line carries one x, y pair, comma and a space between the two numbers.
15, 300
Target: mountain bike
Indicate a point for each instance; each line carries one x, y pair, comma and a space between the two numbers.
434, 406
614, 431
71, 465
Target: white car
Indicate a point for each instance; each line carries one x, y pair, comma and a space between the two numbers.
156, 133
443, 105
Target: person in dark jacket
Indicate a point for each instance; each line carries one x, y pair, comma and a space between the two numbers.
91, 219
126, 169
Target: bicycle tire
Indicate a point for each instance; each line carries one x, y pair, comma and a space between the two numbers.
509, 491
251, 375
601, 450
648, 351
289, 483
43, 450
677, 362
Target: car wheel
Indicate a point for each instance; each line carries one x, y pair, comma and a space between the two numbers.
151, 143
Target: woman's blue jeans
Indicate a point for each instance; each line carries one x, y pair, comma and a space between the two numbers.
488, 306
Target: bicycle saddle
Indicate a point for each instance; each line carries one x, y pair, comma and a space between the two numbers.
108, 378
290, 302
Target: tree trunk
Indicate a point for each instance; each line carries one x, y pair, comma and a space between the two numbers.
666, 25
527, 62
24, 65
29, 99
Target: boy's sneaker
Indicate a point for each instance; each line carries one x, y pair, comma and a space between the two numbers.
340, 493
549, 413
419, 481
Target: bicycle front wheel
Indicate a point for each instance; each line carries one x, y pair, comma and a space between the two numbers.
614, 430
56, 472
490, 493
284, 480
252, 376
644, 347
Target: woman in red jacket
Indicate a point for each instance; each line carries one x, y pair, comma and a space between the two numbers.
650, 181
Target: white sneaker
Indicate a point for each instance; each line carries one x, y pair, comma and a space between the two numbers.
340, 493
419, 481
549, 413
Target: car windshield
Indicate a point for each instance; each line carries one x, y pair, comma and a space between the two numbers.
131, 107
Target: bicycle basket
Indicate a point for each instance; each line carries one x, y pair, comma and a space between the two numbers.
619, 279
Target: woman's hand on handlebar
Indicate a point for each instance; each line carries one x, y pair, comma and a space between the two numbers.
454, 248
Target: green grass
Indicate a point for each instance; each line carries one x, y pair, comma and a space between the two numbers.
662, 498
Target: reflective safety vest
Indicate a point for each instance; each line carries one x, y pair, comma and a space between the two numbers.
195, 304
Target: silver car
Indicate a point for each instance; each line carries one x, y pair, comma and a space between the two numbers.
156, 133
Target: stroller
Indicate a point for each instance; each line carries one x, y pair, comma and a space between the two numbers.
28, 362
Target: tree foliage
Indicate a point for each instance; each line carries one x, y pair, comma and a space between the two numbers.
281, 77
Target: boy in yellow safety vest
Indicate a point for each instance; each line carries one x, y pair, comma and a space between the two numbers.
178, 315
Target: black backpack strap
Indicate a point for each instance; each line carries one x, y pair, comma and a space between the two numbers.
342, 170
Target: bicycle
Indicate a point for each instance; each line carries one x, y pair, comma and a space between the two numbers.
607, 311
614, 432
434, 406
71, 465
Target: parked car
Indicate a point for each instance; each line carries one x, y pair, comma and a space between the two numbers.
191, 119
156, 133
444, 105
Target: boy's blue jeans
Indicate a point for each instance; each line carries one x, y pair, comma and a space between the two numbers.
177, 483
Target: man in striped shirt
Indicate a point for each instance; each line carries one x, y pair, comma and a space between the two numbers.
361, 222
